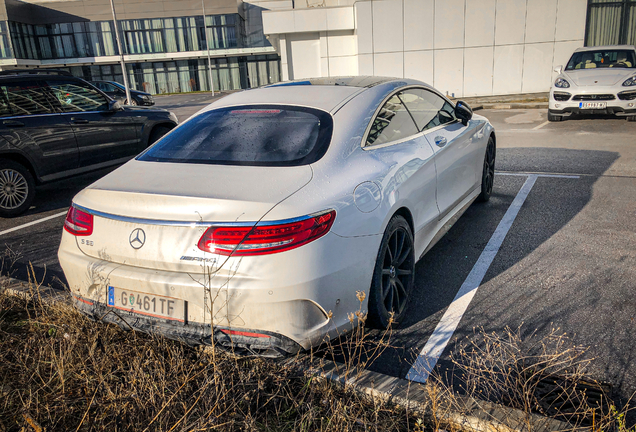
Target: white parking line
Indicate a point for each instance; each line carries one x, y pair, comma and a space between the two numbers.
538, 175
430, 354
35, 222
434, 347
540, 126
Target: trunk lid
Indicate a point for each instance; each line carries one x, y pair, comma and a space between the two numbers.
173, 204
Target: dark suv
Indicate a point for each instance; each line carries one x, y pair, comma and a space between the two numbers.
54, 125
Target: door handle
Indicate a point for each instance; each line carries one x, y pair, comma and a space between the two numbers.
79, 120
13, 123
440, 141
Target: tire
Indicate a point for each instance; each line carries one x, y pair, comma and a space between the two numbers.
17, 189
134, 102
554, 118
488, 173
157, 133
393, 278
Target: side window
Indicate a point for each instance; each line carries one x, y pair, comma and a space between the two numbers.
4, 102
24, 98
428, 109
75, 96
392, 123
108, 88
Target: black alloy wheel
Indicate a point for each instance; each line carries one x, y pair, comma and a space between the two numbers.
488, 174
393, 276
17, 189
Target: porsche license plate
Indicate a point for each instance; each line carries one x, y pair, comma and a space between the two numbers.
592, 105
146, 304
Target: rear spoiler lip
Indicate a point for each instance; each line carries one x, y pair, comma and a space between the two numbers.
161, 222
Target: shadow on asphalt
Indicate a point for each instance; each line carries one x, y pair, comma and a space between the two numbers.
551, 204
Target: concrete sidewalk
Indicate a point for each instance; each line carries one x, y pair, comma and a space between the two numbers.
515, 101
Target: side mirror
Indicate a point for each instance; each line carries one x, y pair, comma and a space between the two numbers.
558, 69
113, 106
463, 112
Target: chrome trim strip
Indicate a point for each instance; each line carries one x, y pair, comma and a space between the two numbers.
160, 222
30, 116
409, 138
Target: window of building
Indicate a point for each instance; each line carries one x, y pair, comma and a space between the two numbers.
23, 39
181, 76
140, 36
65, 40
5, 45
611, 22
263, 70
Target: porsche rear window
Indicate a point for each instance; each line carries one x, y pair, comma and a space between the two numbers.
259, 135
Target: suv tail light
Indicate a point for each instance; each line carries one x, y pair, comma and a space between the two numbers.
78, 222
266, 239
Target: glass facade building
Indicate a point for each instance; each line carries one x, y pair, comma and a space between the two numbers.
611, 22
88, 42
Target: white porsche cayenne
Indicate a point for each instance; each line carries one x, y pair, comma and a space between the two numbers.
255, 223
596, 80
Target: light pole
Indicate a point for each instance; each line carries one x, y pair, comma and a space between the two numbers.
121, 54
207, 45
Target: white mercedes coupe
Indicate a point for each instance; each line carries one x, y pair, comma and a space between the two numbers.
596, 80
265, 221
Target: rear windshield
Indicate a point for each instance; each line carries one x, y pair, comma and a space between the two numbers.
258, 135
602, 59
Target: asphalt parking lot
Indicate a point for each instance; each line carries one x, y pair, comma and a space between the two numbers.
567, 258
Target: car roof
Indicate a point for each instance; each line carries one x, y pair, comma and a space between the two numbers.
327, 94
35, 73
363, 81
606, 47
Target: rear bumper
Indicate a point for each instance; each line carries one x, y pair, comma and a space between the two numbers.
297, 297
266, 344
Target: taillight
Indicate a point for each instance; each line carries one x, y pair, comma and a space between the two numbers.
78, 222
266, 239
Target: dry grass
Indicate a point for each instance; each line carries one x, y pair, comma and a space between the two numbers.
545, 375
63, 372
60, 371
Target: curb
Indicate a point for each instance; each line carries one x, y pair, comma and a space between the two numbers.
528, 105
470, 415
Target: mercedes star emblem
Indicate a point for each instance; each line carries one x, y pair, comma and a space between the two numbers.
137, 238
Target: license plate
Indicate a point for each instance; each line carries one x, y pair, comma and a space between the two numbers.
593, 105
146, 304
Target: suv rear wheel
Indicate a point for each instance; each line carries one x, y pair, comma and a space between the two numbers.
17, 188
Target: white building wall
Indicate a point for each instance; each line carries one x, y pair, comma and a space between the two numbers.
461, 47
